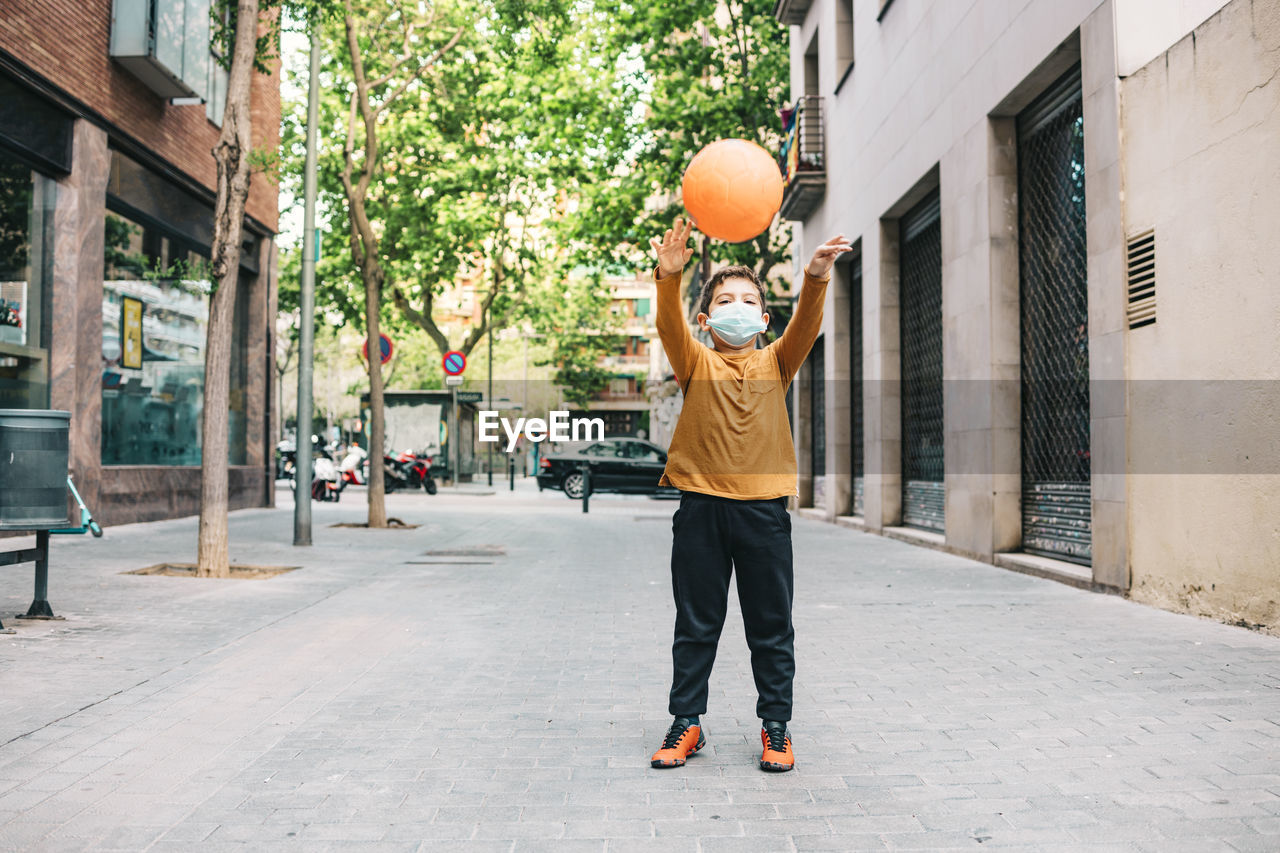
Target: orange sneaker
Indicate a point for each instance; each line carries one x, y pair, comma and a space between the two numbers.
683, 739
777, 757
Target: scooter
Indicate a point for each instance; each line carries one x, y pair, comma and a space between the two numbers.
286, 460
328, 484
352, 468
86, 518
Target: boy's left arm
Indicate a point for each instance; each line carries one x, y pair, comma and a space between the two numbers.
793, 347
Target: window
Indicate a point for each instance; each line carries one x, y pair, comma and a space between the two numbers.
26, 264
216, 87
844, 40
164, 43
818, 408
155, 297
811, 66
641, 452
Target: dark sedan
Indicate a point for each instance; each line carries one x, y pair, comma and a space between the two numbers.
627, 465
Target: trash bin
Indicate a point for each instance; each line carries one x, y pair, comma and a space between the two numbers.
33, 468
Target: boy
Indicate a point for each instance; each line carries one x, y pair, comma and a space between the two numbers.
732, 459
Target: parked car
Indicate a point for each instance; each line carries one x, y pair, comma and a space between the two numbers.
626, 465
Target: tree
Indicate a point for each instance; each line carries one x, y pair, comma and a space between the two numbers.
544, 117
576, 318
248, 32
380, 77
232, 155
288, 345
707, 71
486, 118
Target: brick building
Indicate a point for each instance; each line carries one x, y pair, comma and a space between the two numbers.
109, 112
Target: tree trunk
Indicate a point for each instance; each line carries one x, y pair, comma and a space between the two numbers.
377, 419
232, 157
365, 243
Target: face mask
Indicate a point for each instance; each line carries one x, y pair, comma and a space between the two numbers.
737, 323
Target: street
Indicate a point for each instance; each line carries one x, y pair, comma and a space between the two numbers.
496, 679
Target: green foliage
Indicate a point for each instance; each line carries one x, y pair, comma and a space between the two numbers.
701, 80
265, 161
477, 159
289, 282
272, 18
120, 261
535, 145
15, 217
190, 273
575, 318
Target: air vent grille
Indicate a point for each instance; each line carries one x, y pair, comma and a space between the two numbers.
1142, 279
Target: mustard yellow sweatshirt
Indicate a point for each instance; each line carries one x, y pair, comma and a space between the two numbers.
733, 439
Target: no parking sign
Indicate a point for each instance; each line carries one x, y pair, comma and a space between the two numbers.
454, 363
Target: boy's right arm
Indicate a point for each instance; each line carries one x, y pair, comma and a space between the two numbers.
673, 329
673, 253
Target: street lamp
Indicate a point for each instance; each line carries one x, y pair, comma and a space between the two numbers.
488, 462
307, 309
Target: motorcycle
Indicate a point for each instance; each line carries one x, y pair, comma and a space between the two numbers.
399, 471
415, 470
394, 475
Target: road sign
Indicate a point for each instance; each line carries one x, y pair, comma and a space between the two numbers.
454, 363
384, 346
453, 380
470, 396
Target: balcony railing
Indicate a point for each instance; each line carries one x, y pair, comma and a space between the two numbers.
803, 159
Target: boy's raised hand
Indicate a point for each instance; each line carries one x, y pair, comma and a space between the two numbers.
824, 257
672, 249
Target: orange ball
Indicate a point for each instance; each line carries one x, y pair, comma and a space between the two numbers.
732, 189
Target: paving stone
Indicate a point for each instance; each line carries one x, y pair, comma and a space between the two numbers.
646, 845
559, 845
939, 701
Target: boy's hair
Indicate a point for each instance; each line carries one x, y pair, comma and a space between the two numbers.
709, 289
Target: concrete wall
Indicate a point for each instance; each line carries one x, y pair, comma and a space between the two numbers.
1185, 475
929, 105
1146, 28
1202, 128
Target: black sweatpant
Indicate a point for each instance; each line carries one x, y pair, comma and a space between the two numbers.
712, 537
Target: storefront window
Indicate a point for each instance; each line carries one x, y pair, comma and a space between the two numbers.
25, 267
155, 312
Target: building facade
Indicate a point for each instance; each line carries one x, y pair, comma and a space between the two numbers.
109, 112
624, 404
1054, 347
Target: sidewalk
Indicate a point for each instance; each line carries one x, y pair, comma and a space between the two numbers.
496, 679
